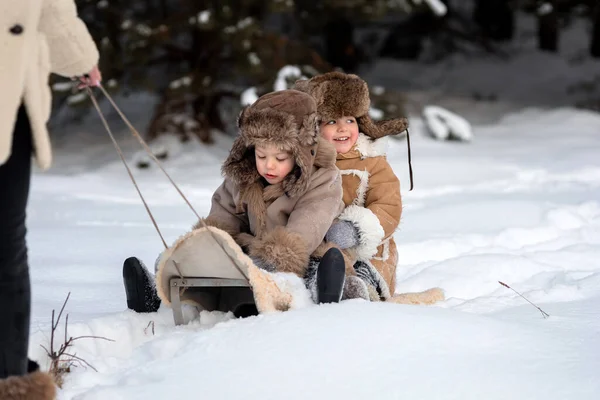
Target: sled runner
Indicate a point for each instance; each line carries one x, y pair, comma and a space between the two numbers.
207, 269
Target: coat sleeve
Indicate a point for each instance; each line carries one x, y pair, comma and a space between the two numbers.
223, 214
72, 49
288, 248
380, 216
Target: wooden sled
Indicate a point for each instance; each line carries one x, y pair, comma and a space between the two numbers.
207, 269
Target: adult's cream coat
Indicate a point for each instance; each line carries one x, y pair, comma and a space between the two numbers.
38, 37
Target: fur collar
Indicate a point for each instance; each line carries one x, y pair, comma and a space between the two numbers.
367, 147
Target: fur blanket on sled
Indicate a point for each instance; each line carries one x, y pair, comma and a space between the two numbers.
271, 291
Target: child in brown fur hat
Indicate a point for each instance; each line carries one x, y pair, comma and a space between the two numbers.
281, 193
373, 204
282, 189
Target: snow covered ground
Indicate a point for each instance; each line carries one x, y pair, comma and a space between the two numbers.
518, 204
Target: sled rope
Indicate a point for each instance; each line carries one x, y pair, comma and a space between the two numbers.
149, 151
118, 148
146, 147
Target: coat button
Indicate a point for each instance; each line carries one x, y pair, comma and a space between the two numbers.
16, 29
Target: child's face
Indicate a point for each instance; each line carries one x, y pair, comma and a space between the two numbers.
342, 132
273, 164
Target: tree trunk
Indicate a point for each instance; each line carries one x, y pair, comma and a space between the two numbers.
164, 7
548, 27
495, 18
340, 49
595, 44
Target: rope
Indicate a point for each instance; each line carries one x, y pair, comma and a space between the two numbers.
147, 148
149, 151
118, 148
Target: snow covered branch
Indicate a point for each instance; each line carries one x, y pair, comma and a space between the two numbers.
444, 124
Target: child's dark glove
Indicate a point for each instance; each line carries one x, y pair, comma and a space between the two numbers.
342, 233
262, 264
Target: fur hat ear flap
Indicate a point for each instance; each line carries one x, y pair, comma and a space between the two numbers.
240, 165
304, 156
301, 85
240, 146
242, 117
309, 131
298, 181
376, 130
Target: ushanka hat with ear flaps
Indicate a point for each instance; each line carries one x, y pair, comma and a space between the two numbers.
338, 94
286, 119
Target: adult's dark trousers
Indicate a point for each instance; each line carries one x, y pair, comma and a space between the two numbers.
15, 292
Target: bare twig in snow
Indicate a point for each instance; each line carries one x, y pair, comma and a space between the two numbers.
544, 313
150, 325
62, 361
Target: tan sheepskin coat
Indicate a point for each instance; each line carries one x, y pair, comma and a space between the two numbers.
373, 204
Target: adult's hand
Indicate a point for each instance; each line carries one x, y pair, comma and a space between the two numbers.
92, 79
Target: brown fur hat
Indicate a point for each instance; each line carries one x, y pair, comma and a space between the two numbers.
287, 119
338, 94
